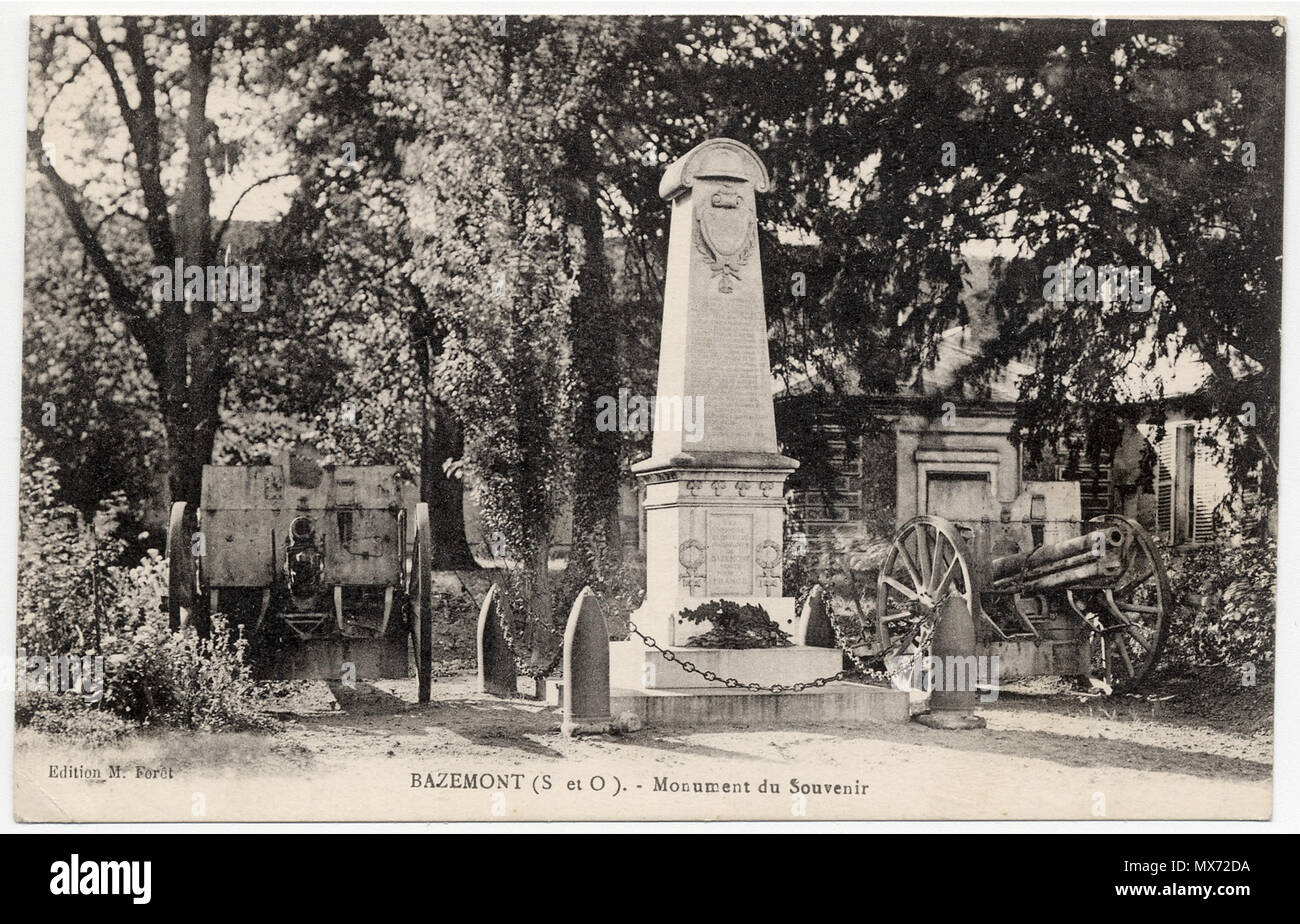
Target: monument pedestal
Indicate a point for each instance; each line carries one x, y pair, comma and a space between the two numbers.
713, 532
836, 704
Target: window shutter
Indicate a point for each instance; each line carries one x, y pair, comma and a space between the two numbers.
1209, 487
1164, 484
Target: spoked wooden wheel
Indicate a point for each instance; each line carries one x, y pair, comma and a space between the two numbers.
420, 594
1129, 621
181, 576
927, 563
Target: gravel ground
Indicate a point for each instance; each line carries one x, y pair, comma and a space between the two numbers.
371, 753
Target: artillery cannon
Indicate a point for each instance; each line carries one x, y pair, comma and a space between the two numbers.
1047, 595
314, 562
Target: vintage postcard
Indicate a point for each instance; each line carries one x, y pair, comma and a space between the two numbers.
684, 417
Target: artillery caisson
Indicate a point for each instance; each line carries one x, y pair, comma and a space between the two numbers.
322, 566
1048, 595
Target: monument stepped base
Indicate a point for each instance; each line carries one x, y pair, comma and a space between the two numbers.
842, 703
660, 693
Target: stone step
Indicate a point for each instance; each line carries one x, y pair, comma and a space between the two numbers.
843, 703
840, 703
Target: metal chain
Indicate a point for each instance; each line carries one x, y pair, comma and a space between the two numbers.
848, 647
524, 665
870, 673
731, 682
922, 640
887, 676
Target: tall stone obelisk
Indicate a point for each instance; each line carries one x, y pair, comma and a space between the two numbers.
714, 493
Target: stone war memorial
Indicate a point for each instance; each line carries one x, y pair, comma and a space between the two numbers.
714, 502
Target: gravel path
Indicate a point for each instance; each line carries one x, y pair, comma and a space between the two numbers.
371, 754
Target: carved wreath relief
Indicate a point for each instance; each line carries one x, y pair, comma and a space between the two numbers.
768, 557
725, 233
691, 556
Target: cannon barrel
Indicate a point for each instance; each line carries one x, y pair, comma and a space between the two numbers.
1094, 555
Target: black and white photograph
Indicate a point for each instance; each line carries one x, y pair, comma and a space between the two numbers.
535, 416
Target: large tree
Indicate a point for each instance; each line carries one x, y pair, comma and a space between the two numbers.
505, 197
145, 156
342, 360
343, 241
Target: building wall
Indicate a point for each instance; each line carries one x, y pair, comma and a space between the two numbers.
885, 481
930, 449
881, 480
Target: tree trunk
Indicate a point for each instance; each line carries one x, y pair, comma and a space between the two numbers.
195, 376
441, 439
593, 331
192, 393
543, 599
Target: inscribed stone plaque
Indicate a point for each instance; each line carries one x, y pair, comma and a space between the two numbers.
728, 366
730, 565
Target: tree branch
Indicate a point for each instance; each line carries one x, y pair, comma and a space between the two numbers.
221, 231
121, 294
143, 129
103, 53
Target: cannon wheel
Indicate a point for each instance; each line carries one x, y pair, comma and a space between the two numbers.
420, 595
1130, 621
927, 563
180, 569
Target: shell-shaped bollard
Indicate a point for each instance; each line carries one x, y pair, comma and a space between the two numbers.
586, 669
954, 669
815, 627
496, 666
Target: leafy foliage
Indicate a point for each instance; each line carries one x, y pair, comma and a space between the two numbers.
73, 601
86, 389
462, 242
735, 625
70, 598
497, 259
1226, 612
178, 678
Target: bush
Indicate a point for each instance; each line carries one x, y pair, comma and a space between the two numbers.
70, 595
735, 625
75, 598
180, 679
68, 715
1225, 597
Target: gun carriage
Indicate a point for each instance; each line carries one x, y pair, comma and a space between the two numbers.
1048, 594
320, 565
